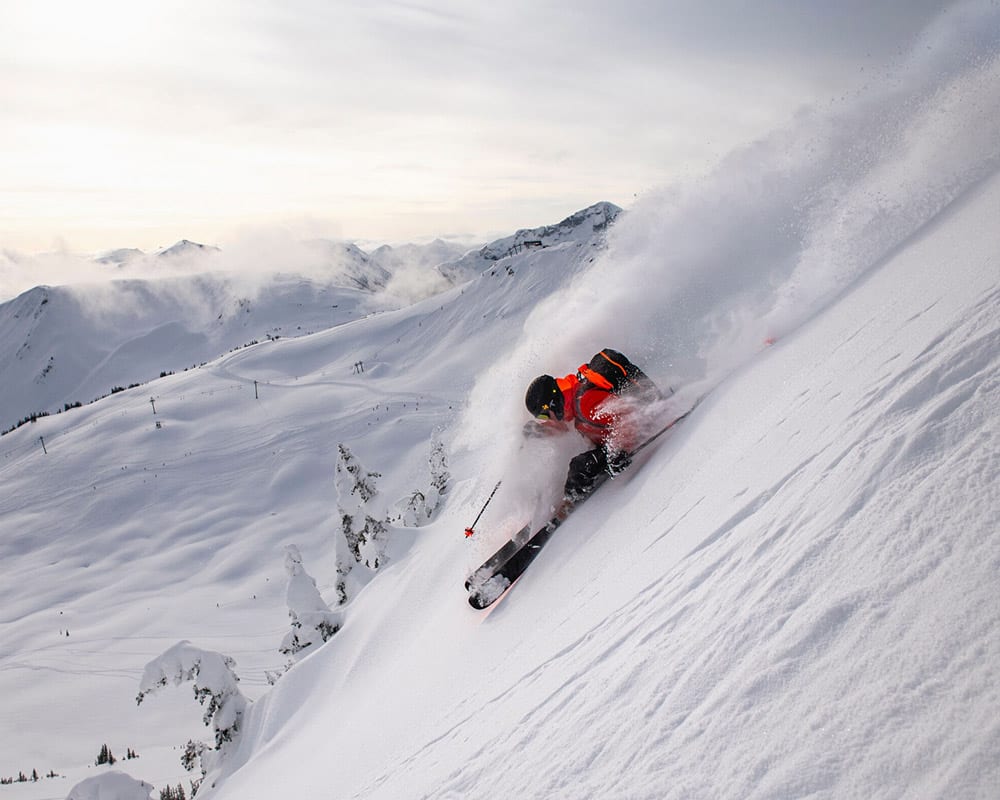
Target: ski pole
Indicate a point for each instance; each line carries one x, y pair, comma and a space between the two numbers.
469, 531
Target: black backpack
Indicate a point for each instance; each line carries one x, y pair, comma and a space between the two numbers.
617, 370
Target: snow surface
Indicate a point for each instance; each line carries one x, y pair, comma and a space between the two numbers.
793, 595
112, 785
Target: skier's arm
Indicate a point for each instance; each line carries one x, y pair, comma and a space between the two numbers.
534, 429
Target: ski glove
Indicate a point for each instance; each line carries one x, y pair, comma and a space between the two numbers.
533, 429
583, 472
585, 469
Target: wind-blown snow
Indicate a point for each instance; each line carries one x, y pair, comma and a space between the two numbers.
794, 594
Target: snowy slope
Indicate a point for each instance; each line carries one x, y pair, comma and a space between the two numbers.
187, 304
74, 344
793, 596
138, 536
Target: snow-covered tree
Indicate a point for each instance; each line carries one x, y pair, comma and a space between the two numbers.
419, 508
272, 676
439, 464
215, 687
313, 622
112, 785
360, 549
411, 512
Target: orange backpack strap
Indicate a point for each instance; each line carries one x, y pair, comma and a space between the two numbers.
596, 378
609, 370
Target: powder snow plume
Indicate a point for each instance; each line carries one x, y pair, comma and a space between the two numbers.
698, 275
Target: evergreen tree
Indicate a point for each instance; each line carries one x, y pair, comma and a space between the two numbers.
171, 793
361, 547
105, 756
419, 508
313, 622
439, 465
215, 687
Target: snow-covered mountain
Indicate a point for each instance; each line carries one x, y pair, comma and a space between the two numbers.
359, 270
72, 344
792, 595
185, 248
413, 256
64, 345
120, 257
165, 257
584, 226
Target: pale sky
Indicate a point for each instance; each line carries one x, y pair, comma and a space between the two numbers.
135, 123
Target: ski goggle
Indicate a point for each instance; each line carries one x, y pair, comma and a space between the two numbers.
552, 409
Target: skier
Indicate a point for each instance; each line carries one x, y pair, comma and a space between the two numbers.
601, 400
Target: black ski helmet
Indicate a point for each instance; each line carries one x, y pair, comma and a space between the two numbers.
544, 399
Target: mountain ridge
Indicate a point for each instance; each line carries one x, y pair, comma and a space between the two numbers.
201, 316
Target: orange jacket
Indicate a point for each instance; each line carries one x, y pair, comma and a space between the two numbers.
586, 406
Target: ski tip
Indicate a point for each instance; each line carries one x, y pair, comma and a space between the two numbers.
477, 602
489, 592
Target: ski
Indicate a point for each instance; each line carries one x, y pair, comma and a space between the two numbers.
498, 572
499, 558
486, 586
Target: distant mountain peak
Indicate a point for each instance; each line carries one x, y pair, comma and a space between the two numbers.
583, 226
119, 257
185, 247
